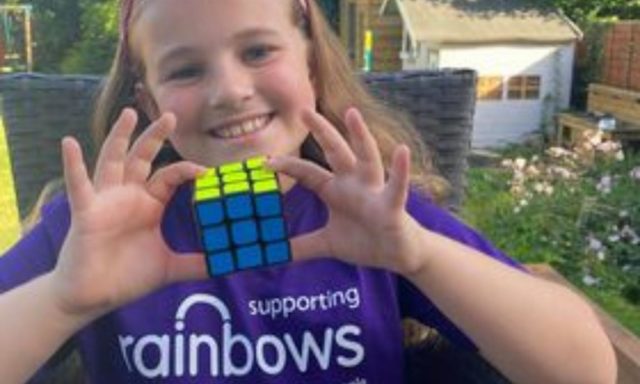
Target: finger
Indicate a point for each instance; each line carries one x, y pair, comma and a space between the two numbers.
335, 147
146, 148
78, 184
364, 145
186, 267
398, 183
165, 181
310, 174
309, 246
110, 165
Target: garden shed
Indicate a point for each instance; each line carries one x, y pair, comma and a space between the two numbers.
523, 55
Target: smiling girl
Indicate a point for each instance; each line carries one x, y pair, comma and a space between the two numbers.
115, 264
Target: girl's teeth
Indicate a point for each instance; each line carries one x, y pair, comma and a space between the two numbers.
242, 129
236, 131
248, 126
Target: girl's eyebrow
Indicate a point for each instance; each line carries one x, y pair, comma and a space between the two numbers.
172, 53
240, 36
253, 32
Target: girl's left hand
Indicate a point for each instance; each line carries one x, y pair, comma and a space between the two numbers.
368, 224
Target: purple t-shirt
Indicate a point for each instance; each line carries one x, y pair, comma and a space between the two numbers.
320, 321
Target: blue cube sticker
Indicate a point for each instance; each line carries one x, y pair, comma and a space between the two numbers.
239, 216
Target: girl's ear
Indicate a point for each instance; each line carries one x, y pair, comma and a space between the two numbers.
145, 101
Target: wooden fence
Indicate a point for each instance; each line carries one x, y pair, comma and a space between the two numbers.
621, 61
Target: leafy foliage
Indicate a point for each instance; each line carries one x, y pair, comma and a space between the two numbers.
73, 35
583, 10
99, 30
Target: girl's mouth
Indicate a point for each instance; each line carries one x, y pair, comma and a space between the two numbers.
244, 128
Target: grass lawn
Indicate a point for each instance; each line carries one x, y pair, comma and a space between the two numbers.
9, 221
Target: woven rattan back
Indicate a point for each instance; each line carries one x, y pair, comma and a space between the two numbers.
38, 110
441, 105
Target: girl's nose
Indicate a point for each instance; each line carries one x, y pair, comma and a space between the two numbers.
231, 87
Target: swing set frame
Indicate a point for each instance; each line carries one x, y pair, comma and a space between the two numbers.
27, 12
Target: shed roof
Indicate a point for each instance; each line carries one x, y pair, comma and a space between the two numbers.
439, 22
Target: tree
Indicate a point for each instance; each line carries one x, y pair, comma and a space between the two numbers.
73, 36
93, 51
55, 28
585, 10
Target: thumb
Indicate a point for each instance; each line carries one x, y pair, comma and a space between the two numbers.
186, 267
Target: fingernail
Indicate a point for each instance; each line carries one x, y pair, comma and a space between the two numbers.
271, 162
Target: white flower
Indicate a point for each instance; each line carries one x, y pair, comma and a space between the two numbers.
517, 189
523, 203
594, 244
516, 210
604, 185
532, 170
628, 233
520, 163
619, 156
589, 280
595, 139
635, 173
614, 238
518, 176
608, 147
538, 187
561, 172
623, 214
545, 188
558, 152
506, 163
600, 255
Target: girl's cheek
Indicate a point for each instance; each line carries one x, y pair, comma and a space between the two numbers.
176, 101
290, 82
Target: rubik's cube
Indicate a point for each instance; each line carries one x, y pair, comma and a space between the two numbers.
238, 209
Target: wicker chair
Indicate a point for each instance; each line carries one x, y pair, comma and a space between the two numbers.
38, 110
441, 105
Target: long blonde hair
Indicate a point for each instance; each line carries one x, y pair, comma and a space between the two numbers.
337, 84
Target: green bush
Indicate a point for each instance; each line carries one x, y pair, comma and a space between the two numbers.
576, 210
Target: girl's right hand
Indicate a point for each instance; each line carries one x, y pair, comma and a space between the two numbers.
114, 251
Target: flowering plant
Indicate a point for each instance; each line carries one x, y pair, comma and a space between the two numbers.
577, 209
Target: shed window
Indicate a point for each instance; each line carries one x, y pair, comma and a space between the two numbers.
489, 88
524, 87
433, 59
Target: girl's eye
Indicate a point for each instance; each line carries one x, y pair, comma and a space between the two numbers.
185, 73
257, 53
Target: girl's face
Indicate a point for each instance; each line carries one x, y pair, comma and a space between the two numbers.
235, 74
